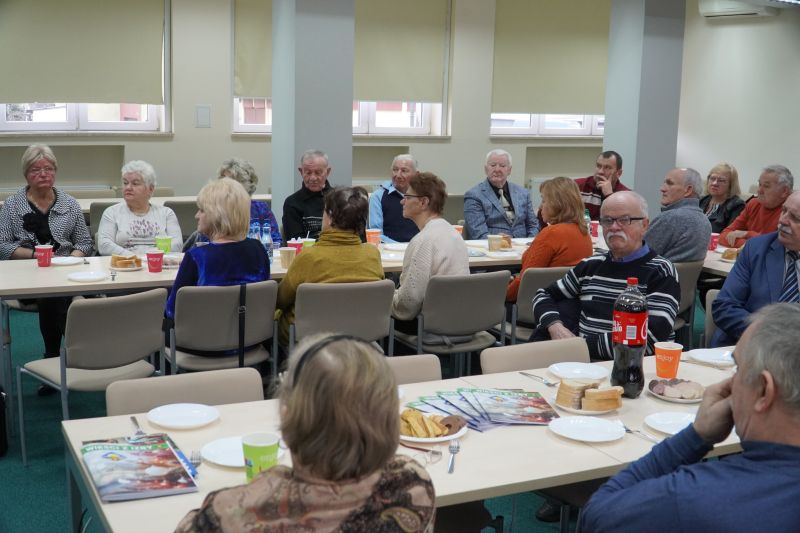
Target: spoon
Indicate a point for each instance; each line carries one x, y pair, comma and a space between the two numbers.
454, 448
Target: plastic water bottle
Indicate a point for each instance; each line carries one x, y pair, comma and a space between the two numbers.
255, 231
629, 338
587, 218
266, 239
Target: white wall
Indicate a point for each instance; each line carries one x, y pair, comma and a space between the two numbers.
739, 99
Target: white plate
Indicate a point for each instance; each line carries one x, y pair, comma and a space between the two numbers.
88, 277
395, 246
479, 243
720, 248
673, 400
500, 255
389, 256
519, 241
183, 415
171, 260
579, 371
727, 260
579, 411
712, 356
66, 261
587, 428
434, 440
128, 269
669, 422
227, 452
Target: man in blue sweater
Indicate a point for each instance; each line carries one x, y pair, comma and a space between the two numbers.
385, 211
669, 489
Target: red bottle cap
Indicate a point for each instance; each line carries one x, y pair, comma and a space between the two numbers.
633, 281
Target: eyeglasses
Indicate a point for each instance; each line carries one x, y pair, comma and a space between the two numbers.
43, 170
414, 196
716, 179
607, 222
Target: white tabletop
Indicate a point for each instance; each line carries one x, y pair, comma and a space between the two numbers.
86, 203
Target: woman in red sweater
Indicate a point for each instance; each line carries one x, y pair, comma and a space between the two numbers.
566, 240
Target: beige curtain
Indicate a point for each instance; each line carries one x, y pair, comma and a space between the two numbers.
93, 51
252, 26
550, 56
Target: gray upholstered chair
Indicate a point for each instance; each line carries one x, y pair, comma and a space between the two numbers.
533, 279
534, 355
184, 211
96, 210
216, 387
415, 368
361, 309
207, 320
106, 340
456, 312
688, 273
710, 325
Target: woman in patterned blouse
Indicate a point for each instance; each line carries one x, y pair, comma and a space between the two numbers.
339, 418
39, 213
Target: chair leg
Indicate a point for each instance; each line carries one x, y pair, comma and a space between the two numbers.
275, 352
63, 386
21, 419
291, 338
390, 348
174, 360
513, 324
564, 519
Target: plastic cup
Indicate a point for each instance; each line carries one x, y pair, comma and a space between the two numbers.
287, 255
260, 453
495, 243
297, 244
155, 260
44, 254
308, 243
459, 228
714, 241
668, 356
594, 225
164, 243
374, 236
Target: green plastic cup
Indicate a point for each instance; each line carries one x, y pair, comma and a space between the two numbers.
260, 453
164, 243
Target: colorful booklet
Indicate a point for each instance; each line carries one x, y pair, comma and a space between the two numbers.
132, 468
515, 407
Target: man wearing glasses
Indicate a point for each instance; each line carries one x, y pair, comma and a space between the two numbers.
682, 231
581, 303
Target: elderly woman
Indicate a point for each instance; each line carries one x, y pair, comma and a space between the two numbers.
243, 172
133, 225
230, 258
566, 240
722, 203
437, 249
39, 213
345, 474
339, 256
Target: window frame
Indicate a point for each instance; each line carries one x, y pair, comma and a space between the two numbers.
591, 127
152, 124
70, 124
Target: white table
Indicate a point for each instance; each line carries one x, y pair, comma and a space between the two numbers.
86, 203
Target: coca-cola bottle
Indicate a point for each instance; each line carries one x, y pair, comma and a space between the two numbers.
629, 338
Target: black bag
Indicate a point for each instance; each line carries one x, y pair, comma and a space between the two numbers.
3, 434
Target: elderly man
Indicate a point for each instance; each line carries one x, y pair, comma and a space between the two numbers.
774, 186
682, 231
497, 205
582, 301
670, 489
605, 181
385, 211
302, 211
765, 272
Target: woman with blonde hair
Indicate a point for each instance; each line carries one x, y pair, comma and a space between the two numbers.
565, 241
722, 203
345, 474
230, 258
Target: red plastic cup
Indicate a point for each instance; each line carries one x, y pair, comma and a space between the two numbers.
44, 255
714, 241
594, 225
297, 244
155, 260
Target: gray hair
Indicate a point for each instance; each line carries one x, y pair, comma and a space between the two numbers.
143, 168
313, 154
693, 178
636, 196
240, 170
405, 157
784, 175
500, 151
773, 347
34, 153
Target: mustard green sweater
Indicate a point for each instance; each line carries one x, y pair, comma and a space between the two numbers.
338, 257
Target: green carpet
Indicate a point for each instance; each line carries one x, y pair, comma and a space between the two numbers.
34, 498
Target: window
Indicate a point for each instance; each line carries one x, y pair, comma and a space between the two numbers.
80, 117
369, 118
546, 125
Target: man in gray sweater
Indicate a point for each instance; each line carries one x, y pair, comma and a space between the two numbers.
682, 231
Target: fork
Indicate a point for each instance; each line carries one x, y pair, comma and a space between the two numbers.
540, 379
139, 433
195, 458
640, 433
454, 448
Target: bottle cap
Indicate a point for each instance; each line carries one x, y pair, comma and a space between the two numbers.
633, 281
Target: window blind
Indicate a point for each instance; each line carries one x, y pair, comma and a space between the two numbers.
252, 27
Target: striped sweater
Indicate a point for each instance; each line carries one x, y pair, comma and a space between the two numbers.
584, 299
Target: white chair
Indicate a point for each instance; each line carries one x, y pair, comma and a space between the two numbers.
105, 340
534, 355
415, 368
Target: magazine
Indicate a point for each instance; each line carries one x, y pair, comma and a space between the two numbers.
514, 407
132, 468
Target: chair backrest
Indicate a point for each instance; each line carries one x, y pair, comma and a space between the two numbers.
688, 274
415, 368
207, 318
96, 210
162, 191
534, 355
184, 211
710, 326
463, 305
105, 192
532, 280
214, 387
361, 309
112, 332
453, 208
